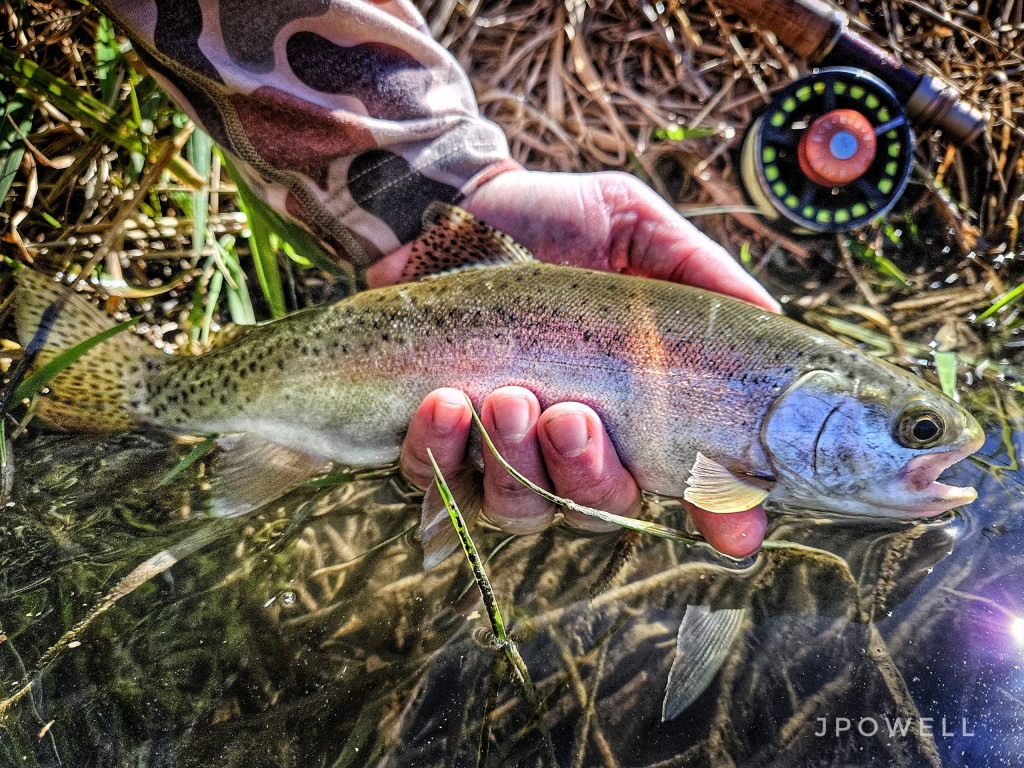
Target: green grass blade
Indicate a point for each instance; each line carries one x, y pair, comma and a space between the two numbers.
676, 132
945, 365
261, 242
191, 458
32, 384
1002, 301
21, 110
295, 238
209, 305
872, 257
200, 155
501, 639
484, 584
76, 104
236, 288
332, 480
264, 256
864, 335
108, 54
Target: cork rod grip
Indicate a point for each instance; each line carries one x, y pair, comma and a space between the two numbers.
806, 27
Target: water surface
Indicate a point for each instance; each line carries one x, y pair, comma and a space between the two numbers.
308, 634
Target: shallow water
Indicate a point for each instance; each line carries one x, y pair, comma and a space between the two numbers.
308, 635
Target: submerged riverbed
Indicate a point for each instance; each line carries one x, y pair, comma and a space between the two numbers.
307, 634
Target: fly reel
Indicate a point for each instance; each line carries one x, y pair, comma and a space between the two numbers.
830, 154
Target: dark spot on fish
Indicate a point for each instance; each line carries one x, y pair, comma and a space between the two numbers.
280, 364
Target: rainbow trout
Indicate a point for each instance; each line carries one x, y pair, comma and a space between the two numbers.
704, 397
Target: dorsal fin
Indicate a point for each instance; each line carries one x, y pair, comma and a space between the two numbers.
455, 239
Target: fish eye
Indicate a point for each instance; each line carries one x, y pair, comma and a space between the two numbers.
920, 428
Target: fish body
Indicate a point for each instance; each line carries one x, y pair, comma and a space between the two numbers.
704, 396
670, 370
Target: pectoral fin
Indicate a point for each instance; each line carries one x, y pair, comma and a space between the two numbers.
702, 644
437, 533
716, 489
251, 472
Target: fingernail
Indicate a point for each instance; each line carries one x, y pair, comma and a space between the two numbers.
568, 433
446, 416
512, 417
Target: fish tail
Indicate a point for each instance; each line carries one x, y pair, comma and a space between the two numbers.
105, 389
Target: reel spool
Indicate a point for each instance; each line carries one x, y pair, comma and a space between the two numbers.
830, 154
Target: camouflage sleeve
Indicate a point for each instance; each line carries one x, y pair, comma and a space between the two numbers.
344, 114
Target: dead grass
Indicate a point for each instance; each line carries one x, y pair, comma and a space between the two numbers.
577, 86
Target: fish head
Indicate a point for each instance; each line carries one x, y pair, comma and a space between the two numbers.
870, 440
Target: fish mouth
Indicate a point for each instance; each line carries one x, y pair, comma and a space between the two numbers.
918, 491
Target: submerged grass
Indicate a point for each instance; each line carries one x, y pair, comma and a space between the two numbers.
501, 639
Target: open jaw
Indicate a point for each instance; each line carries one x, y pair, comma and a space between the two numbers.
917, 490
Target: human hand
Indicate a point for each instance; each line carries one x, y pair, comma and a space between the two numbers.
608, 221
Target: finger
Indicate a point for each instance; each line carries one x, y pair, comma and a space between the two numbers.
694, 259
648, 237
584, 467
388, 270
738, 534
441, 423
510, 417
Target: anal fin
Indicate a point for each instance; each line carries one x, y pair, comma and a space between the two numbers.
251, 472
702, 645
716, 489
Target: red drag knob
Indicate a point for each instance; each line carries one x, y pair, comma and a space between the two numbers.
837, 148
